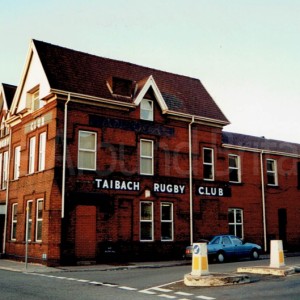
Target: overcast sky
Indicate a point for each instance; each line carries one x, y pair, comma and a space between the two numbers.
245, 52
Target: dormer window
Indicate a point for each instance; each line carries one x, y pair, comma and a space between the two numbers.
147, 110
33, 100
121, 87
36, 102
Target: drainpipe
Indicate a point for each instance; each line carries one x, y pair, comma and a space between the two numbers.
263, 198
6, 194
63, 187
191, 180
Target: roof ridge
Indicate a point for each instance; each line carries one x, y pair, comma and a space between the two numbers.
260, 137
116, 60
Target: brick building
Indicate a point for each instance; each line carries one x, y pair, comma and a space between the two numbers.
110, 157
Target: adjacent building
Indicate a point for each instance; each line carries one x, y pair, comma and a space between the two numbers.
103, 159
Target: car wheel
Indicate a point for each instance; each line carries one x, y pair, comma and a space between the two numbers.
254, 254
220, 257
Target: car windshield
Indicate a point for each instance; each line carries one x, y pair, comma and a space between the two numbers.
215, 240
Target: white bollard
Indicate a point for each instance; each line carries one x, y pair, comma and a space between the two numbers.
199, 260
277, 256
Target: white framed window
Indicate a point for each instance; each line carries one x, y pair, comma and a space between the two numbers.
235, 222
17, 160
208, 164
166, 213
42, 151
37, 103
14, 220
39, 220
146, 157
87, 151
146, 221
31, 165
29, 219
5, 170
234, 168
272, 172
146, 110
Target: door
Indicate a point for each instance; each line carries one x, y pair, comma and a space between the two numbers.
85, 236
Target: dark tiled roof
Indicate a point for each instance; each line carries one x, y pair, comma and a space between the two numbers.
82, 73
9, 91
248, 141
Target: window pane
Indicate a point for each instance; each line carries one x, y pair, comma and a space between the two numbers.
86, 160
233, 175
231, 216
146, 211
166, 231
239, 231
87, 140
208, 155
39, 231
146, 148
231, 229
271, 178
233, 161
146, 231
207, 169
270, 165
238, 216
146, 166
147, 110
40, 210
166, 212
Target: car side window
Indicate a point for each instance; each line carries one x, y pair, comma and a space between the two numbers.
237, 241
226, 240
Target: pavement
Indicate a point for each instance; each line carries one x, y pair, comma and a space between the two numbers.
19, 266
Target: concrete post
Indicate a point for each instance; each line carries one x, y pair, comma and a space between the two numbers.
277, 256
199, 260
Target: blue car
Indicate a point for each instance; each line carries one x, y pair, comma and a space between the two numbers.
228, 247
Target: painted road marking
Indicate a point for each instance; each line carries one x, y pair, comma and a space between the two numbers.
149, 291
167, 296
183, 294
158, 289
127, 288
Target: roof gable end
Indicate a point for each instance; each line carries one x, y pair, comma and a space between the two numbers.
143, 87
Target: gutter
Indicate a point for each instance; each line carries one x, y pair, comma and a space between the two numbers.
6, 194
63, 187
263, 199
191, 180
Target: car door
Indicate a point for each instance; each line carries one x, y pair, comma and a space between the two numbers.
228, 247
240, 250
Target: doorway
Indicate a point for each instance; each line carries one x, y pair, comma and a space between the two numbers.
85, 235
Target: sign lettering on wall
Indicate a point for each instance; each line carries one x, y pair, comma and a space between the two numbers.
213, 191
169, 188
137, 126
38, 122
124, 185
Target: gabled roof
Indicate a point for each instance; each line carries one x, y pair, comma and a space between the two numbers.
9, 92
77, 72
261, 143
